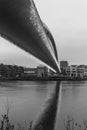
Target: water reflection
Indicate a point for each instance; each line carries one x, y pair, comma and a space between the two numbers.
25, 98
73, 102
47, 118
29, 100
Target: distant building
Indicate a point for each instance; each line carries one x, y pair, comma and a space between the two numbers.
42, 71
77, 71
81, 71
63, 66
85, 72
68, 71
52, 73
30, 71
72, 71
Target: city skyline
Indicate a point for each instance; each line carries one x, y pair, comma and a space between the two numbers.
68, 24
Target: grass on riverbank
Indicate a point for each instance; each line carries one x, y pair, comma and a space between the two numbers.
5, 124
69, 124
72, 124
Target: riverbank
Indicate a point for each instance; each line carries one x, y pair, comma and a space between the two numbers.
52, 78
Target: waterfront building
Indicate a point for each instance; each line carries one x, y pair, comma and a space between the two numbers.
77, 71
68, 71
52, 73
2, 70
63, 66
81, 71
30, 71
42, 71
71, 71
85, 72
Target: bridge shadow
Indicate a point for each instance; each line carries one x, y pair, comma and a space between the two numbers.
47, 118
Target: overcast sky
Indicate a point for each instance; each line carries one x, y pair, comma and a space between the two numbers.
67, 20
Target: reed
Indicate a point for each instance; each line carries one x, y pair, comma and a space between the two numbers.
71, 124
5, 124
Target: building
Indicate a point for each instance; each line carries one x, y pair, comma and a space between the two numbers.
81, 71
72, 71
63, 66
52, 73
30, 71
42, 71
85, 72
68, 71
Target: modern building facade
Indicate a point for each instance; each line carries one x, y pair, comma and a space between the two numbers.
77, 71
72, 71
63, 66
42, 71
30, 71
81, 71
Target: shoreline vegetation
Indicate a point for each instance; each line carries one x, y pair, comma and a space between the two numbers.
72, 124
52, 78
69, 124
5, 124
41, 73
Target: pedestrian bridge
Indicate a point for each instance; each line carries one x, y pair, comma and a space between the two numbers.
20, 23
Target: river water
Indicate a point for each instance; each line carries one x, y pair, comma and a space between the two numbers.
25, 100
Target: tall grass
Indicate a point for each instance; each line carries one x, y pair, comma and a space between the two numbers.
5, 124
72, 124
69, 124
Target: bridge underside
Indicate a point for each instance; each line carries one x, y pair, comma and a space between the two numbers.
20, 24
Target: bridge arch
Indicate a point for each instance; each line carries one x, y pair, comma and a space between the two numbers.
20, 23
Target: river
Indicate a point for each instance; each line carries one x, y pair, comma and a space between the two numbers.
26, 99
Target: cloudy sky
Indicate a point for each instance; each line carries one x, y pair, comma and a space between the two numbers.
67, 20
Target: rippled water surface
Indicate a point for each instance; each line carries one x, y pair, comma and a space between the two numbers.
26, 100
